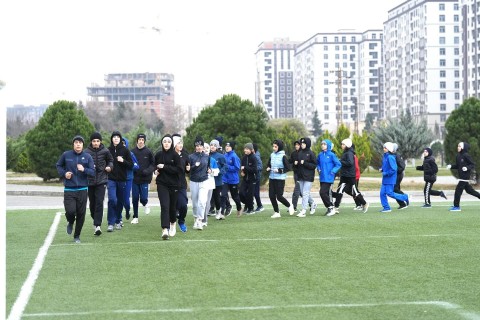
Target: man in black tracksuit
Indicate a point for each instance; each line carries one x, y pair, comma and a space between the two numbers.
117, 180
143, 176
103, 160
464, 164
430, 169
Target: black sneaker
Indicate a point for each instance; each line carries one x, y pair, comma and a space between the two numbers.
442, 194
76, 240
249, 211
228, 211
69, 228
402, 207
127, 215
259, 209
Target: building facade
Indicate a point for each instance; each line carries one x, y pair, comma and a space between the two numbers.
274, 84
422, 60
469, 50
142, 91
339, 75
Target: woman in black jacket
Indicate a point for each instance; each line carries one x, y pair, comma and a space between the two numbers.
430, 170
169, 168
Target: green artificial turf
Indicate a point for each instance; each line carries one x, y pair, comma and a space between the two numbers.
409, 264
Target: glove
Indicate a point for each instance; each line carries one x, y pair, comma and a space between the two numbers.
449, 166
464, 169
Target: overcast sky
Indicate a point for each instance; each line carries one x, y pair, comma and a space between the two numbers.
54, 49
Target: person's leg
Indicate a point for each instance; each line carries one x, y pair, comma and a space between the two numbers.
398, 189
121, 185
469, 189
99, 198
272, 195
256, 193
235, 196
182, 205
280, 189
164, 199
326, 194
135, 198
383, 195
92, 203
207, 205
81, 209
112, 202
126, 199
458, 192
296, 192
70, 205
249, 196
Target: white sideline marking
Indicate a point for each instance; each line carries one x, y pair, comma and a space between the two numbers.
257, 239
27, 288
441, 304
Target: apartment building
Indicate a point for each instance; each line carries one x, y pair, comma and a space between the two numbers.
274, 83
147, 91
469, 50
339, 75
421, 48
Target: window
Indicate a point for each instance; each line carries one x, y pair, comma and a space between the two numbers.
353, 39
442, 51
443, 96
443, 73
344, 39
443, 117
441, 18
443, 107
441, 29
456, 40
456, 51
326, 116
337, 56
325, 48
443, 62
325, 108
337, 48
325, 56
441, 40
325, 64
325, 39
457, 85
456, 63
457, 73
457, 95
456, 29
441, 6
336, 39
325, 90
325, 99
325, 82
443, 85
455, 18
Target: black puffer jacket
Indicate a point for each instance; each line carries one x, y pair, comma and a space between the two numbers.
306, 171
119, 172
429, 167
348, 163
102, 158
464, 160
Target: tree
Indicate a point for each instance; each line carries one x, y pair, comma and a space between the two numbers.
53, 135
463, 125
289, 131
369, 120
234, 119
437, 150
410, 135
363, 149
316, 125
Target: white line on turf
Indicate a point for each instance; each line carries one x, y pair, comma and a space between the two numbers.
440, 304
24, 296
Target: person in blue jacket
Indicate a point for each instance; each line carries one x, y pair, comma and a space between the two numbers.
74, 166
389, 178
230, 179
327, 166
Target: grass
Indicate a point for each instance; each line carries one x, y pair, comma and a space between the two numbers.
415, 263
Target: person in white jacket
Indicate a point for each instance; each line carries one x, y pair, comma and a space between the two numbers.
210, 181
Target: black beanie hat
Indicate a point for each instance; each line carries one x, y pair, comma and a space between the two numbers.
231, 144
96, 135
142, 135
198, 141
78, 138
219, 139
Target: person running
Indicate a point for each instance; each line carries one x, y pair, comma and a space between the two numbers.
97, 185
430, 169
128, 186
230, 181
142, 177
347, 179
117, 181
400, 174
217, 192
214, 170
358, 205
169, 167
182, 199
277, 168
306, 165
327, 166
256, 192
296, 189
465, 165
73, 167
248, 171
389, 178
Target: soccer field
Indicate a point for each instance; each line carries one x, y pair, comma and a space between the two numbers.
410, 264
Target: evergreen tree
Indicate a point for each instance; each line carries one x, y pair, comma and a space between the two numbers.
316, 125
463, 125
234, 119
53, 135
369, 119
363, 149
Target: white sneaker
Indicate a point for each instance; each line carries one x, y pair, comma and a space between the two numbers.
365, 207
291, 210
220, 216
147, 209
173, 229
134, 221
331, 212
336, 209
204, 224
165, 234
313, 208
358, 208
302, 214
198, 224
277, 215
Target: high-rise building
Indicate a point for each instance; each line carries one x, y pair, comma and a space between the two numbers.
274, 85
469, 50
146, 91
429, 88
339, 76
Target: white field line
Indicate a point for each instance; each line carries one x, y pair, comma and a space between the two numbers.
257, 239
440, 304
27, 288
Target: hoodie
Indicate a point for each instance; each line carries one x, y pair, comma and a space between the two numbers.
306, 170
102, 159
429, 167
464, 160
119, 172
328, 164
169, 175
